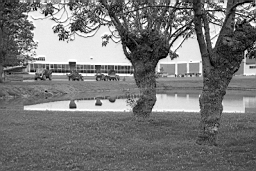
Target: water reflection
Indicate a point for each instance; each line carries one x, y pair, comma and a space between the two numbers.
165, 102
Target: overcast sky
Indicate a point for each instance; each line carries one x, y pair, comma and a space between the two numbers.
85, 50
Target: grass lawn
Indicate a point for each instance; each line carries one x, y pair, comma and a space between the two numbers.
170, 82
90, 141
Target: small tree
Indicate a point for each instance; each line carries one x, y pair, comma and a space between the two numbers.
221, 61
146, 29
19, 46
16, 37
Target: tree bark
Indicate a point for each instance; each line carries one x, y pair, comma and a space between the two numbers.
225, 61
210, 101
145, 52
1, 43
219, 65
144, 74
1, 72
1, 57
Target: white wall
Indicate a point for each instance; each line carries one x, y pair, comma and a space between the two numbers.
180, 62
248, 70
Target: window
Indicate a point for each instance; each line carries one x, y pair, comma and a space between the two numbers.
111, 67
67, 67
79, 67
41, 58
39, 65
31, 66
59, 66
54, 70
252, 67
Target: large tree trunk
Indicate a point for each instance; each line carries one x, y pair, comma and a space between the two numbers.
144, 74
1, 57
144, 52
1, 46
1, 72
214, 89
215, 83
219, 64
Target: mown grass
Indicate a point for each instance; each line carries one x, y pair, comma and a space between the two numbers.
170, 82
39, 141
90, 141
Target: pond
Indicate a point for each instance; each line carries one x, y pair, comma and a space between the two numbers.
165, 103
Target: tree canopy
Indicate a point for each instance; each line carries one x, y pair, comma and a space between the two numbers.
17, 37
77, 18
146, 29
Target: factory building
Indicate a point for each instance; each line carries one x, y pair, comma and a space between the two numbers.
169, 68
194, 68
181, 69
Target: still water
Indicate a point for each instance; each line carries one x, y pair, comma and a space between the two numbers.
165, 102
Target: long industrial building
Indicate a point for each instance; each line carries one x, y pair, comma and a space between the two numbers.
194, 68
171, 69
86, 69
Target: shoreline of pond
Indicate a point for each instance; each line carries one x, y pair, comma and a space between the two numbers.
17, 93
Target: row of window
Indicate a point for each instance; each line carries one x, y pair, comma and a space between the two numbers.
39, 59
252, 67
60, 66
65, 68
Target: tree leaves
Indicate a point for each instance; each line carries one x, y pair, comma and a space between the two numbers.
105, 39
18, 44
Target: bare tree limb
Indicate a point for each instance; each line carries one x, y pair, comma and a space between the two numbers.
199, 33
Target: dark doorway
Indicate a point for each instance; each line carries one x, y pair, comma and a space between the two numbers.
72, 66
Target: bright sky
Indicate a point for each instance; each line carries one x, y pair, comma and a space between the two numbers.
85, 50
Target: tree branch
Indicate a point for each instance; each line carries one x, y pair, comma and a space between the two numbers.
125, 51
207, 33
229, 21
199, 33
179, 32
185, 38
